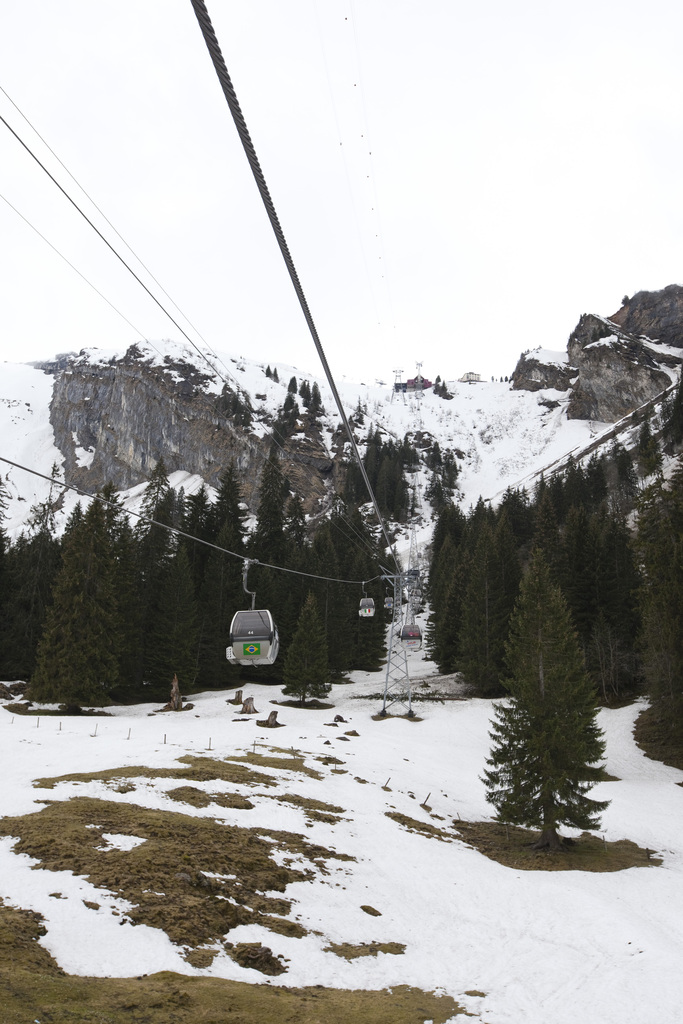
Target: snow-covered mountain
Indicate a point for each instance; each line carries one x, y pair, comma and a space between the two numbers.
106, 416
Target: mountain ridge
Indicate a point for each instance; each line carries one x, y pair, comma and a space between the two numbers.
112, 415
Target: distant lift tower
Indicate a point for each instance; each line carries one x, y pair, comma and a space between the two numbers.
419, 393
397, 681
398, 388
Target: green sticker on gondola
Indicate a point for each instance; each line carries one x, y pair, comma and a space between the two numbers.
251, 649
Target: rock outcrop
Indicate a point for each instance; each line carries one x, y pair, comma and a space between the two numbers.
656, 315
113, 421
614, 364
617, 371
535, 374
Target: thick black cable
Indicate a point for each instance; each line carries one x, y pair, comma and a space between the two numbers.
228, 91
172, 529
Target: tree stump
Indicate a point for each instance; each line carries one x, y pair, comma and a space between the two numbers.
248, 707
271, 722
176, 701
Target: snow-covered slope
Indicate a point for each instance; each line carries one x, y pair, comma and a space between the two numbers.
509, 945
500, 436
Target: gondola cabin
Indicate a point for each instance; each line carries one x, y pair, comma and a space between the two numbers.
388, 603
367, 608
411, 637
253, 638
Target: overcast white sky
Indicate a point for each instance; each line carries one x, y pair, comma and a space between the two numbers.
457, 181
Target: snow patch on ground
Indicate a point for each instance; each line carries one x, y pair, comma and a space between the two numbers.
556, 946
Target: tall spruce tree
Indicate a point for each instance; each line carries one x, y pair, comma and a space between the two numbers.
660, 546
306, 674
5, 595
32, 565
78, 654
172, 644
546, 740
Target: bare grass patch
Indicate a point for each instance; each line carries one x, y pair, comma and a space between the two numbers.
194, 878
33, 987
350, 952
194, 769
513, 847
659, 737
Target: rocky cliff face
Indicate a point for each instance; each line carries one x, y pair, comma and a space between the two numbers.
114, 421
656, 315
535, 374
614, 364
617, 371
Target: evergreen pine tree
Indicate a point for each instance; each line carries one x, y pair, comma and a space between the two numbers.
5, 594
172, 643
268, 539
316, 403
305, 393
198, 522
221, 596
337, 603
77, 659
649, 455
546, 740
306, 674
32, 565
660, 546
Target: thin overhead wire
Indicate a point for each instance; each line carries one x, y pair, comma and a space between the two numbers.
228, 91
111, 248
173, 529
71, 265
290, 456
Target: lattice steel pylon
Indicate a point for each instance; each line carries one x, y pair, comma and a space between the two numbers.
397, 688
396, 389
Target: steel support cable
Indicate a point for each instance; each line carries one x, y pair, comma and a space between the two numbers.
174, 530
108, 244
114, 229
291, 456
231, 97
71, 265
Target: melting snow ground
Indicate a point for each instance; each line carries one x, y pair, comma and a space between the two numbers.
543, 946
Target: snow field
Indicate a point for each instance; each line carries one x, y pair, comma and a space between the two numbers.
542, 946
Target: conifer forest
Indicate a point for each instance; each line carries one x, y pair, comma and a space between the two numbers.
113, 609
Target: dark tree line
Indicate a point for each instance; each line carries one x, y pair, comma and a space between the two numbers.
479, 559
113, 611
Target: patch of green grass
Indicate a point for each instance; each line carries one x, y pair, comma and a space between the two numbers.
351, 952
513, 847
33, 987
